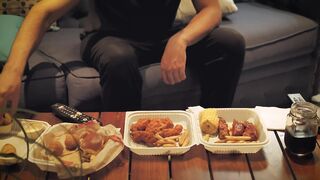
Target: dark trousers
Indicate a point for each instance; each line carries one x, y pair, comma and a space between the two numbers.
218, 58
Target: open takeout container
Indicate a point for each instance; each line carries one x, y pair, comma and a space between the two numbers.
190, 121
17, 139
51, 163
229, 114
178, 117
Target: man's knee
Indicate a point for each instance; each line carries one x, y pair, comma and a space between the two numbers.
113, 53
229, 39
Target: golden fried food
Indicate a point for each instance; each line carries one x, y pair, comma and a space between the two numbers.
183, 137
70, 142
155, 132
5, 119
92, 142
241, 131
157, 125
8, 149
55, 147
223, 129
146, 137
251, 131
140, 125
171, 131
166, 142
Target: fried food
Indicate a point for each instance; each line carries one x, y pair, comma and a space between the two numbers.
238, 128
70, 142
238, 138
209, 121
92, 142
140, 125
155, 131
146, 137
157, 125
171, 131
251, 131
55, 147
241, 131
223, 129
5, 119
206, 137
8, 149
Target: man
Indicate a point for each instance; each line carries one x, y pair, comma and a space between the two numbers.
122, 36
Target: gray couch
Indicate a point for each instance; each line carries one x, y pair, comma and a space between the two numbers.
280, 58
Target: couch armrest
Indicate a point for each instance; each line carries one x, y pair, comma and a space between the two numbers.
307, 8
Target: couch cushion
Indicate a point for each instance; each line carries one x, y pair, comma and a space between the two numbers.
84, 93
44, 84
271, 35
63, 45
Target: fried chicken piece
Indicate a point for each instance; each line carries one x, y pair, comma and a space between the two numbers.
251, 131
157, 125
223, 129
237, 128
146, 137
171, 131
140, 125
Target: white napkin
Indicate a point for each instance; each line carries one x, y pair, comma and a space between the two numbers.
195, 110
273, 117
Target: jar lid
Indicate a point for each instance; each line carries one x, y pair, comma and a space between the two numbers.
303, 110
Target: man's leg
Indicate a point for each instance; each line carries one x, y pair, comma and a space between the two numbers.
219, 57
117, 63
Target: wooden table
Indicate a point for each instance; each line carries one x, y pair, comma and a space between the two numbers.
271, 163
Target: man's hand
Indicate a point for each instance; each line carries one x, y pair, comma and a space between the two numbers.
173, 61
10, 83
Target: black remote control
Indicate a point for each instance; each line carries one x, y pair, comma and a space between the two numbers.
69, 114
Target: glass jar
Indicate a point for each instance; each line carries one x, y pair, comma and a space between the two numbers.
301, 128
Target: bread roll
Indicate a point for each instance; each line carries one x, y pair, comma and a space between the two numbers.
8, 149
70, 142
55, 147
209, 121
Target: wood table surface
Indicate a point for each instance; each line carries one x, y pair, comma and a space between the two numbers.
272, 162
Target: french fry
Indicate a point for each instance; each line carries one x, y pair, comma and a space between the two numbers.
206, 137
163, 141
169, 145
186, 141
238, 138
158, 136
7, 119
221, 141
183, 137
172, 137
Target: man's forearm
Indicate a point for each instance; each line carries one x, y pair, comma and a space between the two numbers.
201, 24
32, 30
28, 37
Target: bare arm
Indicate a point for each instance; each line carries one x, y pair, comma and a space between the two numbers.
208, 16
173, 61
41, 16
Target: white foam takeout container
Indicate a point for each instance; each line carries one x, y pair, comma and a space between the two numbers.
17, 138
178, 117
190, 121
229, 114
